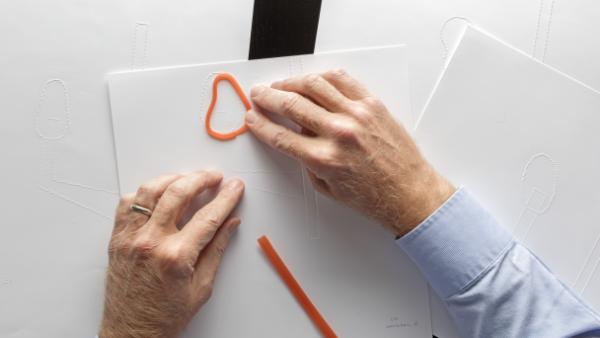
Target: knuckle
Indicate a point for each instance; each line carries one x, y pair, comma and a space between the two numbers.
278, 140
289, 103
212, 220
363, 113
206, 285
373, 103
147, 189
177, 190
174, 260
339, 73
220, 249
143, 246
312, 81
322, 156
170, 257
346, 130
204, 174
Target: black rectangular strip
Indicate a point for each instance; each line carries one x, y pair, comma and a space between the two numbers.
284, 27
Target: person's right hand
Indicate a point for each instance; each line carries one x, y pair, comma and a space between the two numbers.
353, 148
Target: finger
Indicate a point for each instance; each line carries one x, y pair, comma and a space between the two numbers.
346, 84
122, 213
210, 258
199, 231
147, 196
316, 88
293, 106
179, 194
279, 137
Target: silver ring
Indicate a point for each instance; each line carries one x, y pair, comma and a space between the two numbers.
140, 209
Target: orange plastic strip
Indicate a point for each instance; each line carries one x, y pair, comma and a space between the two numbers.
295, 288
238, 89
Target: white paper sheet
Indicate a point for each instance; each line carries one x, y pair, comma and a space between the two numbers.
571, 39
524, 138
350, 267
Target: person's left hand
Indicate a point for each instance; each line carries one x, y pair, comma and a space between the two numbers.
160, 276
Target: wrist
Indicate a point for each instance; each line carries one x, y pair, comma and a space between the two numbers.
131, 329
427, 192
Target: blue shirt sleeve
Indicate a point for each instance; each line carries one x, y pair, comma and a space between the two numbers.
492, 285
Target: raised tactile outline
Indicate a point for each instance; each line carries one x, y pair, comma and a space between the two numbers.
443, 28
549, 199
548, 27
592, 274
311, 200
72, 201
585, 265
539, 28
134, 45
47, 166
67, 109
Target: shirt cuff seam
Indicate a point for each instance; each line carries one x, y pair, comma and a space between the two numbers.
565, 287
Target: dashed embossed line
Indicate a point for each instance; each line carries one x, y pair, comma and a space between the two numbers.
140, 32
261, 172
84, 186
587, 283
548, 27
293, 63
272, 192
204, 92
48, 170
311, 206
537, 28
555, 174
66, 110
587, 261
529, 214
444, 44
81, 205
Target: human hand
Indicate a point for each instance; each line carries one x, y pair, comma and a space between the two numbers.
159, 276
353, 148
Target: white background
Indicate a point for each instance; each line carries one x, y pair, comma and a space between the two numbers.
59, 183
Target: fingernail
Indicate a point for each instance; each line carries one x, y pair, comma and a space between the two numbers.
251, 116
256, 90
235, 184
276, 84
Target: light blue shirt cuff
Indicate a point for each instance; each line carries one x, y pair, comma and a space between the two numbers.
456, 244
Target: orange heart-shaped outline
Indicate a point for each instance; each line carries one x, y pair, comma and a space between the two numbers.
238, 89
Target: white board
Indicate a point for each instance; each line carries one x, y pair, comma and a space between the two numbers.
350, 267
524, 138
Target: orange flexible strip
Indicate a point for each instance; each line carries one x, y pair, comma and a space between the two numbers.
295, 288
238, 89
